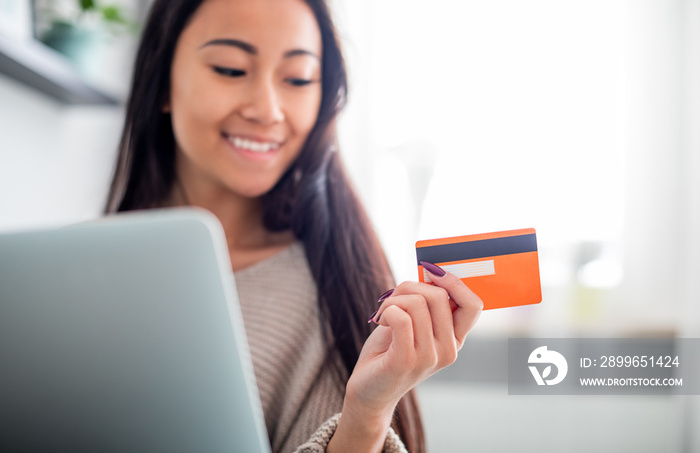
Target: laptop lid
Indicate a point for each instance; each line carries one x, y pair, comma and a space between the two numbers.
125, 334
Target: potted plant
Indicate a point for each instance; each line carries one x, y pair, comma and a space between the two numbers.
76, 28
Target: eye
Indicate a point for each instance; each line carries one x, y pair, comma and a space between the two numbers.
229, 72
299, 82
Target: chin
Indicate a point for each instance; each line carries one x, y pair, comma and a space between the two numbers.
254, 191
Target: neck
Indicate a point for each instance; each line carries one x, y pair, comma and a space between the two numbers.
241, 217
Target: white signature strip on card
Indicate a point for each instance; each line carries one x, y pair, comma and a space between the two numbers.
466, 270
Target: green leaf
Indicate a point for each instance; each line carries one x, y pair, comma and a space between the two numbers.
86, 5
112, 14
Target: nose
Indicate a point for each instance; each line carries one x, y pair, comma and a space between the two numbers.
262, 104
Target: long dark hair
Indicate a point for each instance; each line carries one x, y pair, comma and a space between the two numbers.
314, 198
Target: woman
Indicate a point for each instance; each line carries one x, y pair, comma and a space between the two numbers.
233, 109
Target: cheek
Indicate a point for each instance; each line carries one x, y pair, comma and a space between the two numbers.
305, 113
195, 111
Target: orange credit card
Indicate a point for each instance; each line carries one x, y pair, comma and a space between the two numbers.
502, 268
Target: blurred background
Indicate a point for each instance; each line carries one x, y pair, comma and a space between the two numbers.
578, 118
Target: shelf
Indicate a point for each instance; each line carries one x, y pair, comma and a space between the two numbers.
48, 72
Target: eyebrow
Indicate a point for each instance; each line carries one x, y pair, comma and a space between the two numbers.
252, 50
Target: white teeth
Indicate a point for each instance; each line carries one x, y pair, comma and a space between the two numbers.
250, 145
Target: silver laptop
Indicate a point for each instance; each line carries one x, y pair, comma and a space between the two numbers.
125, 334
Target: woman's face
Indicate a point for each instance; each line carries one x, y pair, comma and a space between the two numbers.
245, 93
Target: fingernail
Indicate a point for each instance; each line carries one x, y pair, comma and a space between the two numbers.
371, 317
385, 295
433, 269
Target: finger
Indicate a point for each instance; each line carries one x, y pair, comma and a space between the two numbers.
416, 306
402, 335
469, 305
438, 301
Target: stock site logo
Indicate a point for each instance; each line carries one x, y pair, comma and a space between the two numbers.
542, 356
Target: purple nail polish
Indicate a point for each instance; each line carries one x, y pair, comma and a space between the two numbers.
371, 317
433, 269
385, 295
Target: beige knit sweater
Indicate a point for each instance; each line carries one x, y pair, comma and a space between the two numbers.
300, 397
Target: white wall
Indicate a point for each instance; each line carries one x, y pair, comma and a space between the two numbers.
55, 160
690, 267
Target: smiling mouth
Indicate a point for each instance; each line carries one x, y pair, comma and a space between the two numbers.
252, 145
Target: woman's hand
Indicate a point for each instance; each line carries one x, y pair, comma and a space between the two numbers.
421, 329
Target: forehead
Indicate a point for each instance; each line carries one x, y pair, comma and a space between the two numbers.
266, 24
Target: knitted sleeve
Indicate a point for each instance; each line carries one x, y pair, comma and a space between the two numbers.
320, 439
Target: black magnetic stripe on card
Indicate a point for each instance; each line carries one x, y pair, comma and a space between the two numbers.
483, 248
